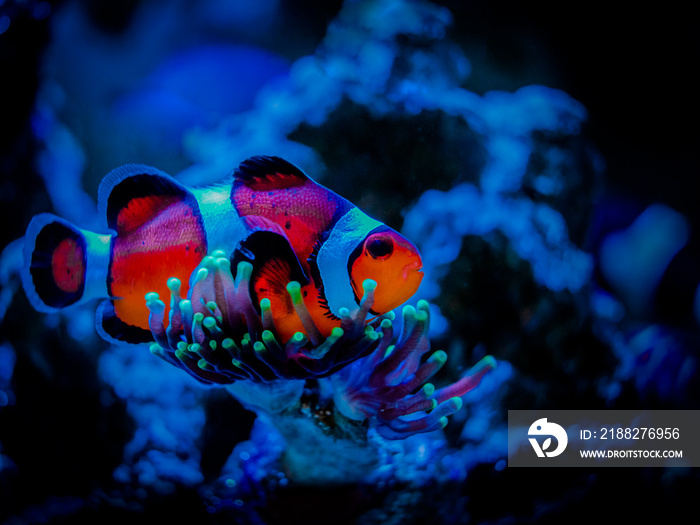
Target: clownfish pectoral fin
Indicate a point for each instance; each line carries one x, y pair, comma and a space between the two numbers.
274, 266
64, 264
112, 329
270, 281
263, 173
132, 194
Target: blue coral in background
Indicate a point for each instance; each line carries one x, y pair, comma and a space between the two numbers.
383, 99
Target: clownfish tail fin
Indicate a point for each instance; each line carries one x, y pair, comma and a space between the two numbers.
63, 264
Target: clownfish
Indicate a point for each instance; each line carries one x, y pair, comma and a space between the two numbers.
269, 213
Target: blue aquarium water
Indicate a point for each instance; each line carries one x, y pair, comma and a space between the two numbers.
560, 270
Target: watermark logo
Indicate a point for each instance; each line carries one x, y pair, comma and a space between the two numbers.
603, 438
543, 428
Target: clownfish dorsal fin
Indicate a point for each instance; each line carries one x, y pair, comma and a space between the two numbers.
122, 188
262, 173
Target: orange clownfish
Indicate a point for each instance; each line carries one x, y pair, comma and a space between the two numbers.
270, 213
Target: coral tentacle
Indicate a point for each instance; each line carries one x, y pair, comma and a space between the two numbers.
470, 380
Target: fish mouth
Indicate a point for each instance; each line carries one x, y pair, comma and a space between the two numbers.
415, 266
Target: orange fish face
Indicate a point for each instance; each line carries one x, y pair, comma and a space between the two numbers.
394, 263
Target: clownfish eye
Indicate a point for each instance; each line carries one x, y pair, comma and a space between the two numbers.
379, 246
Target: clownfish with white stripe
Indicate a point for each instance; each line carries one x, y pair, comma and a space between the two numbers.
270, 213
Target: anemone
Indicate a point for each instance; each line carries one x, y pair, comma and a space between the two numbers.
218, 336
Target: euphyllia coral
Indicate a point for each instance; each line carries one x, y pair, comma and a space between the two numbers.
226, 341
